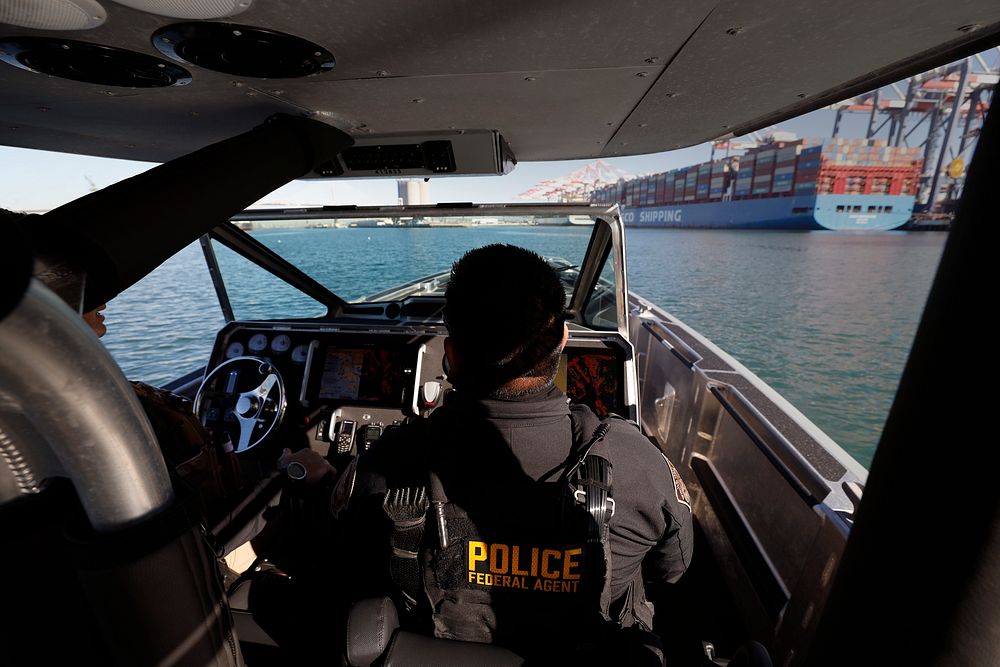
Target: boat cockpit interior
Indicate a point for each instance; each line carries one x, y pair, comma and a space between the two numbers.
803, 557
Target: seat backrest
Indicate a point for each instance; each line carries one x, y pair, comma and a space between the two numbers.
370, 627
373, 636
410, 649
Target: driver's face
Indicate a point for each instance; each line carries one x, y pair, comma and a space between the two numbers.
96, 320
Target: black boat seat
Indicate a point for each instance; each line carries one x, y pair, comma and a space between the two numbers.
409, 648
373, 634
370, 626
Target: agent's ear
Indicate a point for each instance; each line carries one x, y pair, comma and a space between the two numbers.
451, 358
562, 345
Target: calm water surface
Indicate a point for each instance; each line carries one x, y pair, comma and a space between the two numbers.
826, 319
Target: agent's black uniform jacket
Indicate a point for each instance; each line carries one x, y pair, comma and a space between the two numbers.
487, 451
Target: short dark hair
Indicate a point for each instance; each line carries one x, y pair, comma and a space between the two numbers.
504, 309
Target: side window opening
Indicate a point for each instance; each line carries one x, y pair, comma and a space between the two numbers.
185, 319
256, 294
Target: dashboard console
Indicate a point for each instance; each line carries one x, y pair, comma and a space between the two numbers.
346, 384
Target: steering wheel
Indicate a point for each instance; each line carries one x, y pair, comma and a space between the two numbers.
244, 397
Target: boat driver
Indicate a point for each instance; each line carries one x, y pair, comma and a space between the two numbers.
202, 462
493, 569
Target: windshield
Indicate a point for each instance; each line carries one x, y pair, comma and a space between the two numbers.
393, 257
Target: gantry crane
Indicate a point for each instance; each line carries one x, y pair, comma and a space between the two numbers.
929, 110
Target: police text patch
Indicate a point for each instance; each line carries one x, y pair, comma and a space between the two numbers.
545, 569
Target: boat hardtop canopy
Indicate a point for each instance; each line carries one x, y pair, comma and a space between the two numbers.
492, 83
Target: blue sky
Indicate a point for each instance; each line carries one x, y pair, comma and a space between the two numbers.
40, 180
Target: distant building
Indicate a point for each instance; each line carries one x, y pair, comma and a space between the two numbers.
412, 191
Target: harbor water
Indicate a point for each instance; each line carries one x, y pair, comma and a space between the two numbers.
825, 318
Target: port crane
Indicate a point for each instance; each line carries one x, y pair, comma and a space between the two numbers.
942, 111
577, 186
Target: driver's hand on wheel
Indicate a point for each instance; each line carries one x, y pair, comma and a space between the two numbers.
317, 467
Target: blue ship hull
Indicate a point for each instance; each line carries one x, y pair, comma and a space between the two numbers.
833, 212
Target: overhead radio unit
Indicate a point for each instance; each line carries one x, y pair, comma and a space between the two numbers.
459, 153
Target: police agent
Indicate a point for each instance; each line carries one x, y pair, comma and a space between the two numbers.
509, 516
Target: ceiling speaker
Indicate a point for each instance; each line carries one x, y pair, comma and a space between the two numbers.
242, 50
91, 63
190, 9
52, 14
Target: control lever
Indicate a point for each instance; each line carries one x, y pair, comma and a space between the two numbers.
430, 393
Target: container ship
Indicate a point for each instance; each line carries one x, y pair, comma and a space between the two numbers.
838, 184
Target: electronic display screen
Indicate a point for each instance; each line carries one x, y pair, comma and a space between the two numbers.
366, 375
592, 377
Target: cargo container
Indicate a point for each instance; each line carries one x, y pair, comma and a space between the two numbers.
800, 184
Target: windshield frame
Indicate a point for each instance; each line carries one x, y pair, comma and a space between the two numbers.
607, 241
